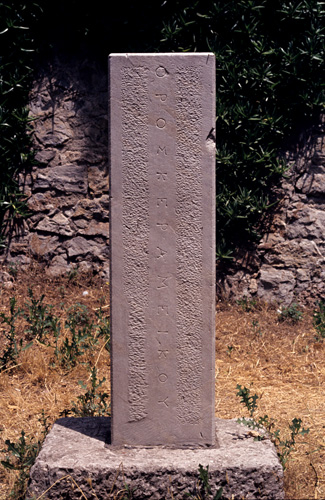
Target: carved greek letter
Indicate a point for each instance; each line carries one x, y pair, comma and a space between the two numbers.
161, 123
162, 176
162, 377
161, 71
163, 97
162, 150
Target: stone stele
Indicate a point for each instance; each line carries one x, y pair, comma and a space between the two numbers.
162, 150
162, 249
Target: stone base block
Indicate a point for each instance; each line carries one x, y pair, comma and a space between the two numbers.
77, 461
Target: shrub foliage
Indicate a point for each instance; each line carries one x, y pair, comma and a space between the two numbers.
270, 83
17, 22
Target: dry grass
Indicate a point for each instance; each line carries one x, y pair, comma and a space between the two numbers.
282, 363
279, 361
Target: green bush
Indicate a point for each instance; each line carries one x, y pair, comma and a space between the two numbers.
17, 20
270, 83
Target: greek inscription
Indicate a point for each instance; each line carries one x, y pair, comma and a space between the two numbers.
163, 282
161, 123
161, 249
161, 71
162, 150
163, 97
162, 377
161, 201
163, 310
161, 252
162, 176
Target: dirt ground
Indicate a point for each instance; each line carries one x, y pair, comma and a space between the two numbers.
280, 361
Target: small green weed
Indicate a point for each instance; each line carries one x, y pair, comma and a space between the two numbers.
127, 492
284, 446
202, 489
204, 485
13, 269
38, 316
80, 336
291, 313
12, 346
319, 321
257, 328
80, 326
93, 402
230, 348
78, 314
246, 304
73, 274
68, 352
20, 456
103, 327
248, 400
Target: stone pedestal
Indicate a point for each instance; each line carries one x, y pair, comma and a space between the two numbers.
78, 461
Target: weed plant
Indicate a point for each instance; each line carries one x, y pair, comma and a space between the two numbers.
290, 313
69, 343
38, 316
93, 402
203, 490
20, 456
247, 304
284, 446
319, 321
78, 340
104, 331
257, 328
12, 347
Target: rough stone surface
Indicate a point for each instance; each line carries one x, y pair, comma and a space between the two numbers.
162, 248
79, 448
68, 189
288, 264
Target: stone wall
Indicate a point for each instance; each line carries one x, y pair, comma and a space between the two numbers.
68, 190
289, 263
69, 199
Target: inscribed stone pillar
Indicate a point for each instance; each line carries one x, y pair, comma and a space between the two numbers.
162, 118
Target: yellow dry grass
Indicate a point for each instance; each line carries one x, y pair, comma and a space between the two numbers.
279, 361
282, 363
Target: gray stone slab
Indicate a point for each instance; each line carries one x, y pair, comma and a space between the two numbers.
162, 117
79, 448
